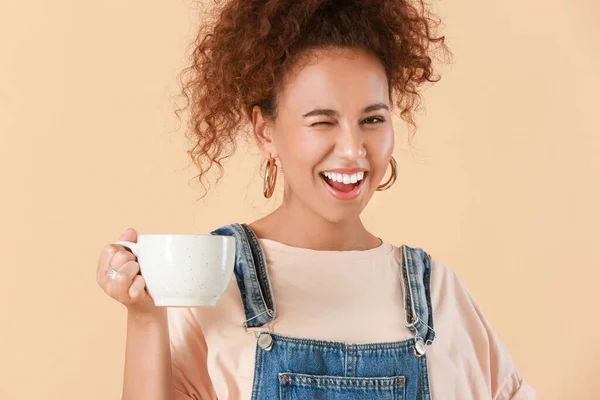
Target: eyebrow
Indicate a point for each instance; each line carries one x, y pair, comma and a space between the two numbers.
332, 113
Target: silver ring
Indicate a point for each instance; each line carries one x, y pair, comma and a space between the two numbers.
112, 274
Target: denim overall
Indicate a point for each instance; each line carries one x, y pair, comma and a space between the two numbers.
293, 368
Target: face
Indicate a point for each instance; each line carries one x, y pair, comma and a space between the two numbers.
333, 124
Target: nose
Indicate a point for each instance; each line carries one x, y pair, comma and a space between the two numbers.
350, 144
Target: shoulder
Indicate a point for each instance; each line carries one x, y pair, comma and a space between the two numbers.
451, 299
443, 280
455, 311
445, 284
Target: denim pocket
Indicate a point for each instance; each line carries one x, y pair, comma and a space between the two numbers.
294, 386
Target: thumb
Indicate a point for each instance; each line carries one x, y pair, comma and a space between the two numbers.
129, 235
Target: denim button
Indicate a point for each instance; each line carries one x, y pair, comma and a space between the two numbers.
419, 347
265, 341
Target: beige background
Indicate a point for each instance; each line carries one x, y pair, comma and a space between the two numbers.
502, 185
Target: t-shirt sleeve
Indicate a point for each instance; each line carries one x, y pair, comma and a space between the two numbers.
485, 364
188, 356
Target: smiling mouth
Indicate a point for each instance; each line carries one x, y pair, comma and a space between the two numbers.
341, 189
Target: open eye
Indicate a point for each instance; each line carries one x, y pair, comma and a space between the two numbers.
374, 120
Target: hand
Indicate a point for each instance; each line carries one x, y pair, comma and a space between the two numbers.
128, 287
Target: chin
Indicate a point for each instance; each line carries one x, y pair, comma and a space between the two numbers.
340, 214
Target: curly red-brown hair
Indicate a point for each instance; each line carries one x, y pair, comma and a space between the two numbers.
244, 48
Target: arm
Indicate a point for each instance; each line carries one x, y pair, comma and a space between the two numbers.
165, 358
189, 355
148, 359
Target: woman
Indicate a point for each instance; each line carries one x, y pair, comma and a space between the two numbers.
320, 308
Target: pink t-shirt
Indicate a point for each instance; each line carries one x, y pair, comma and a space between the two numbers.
213, 357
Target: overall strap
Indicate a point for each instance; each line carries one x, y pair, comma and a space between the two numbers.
251, 275
416, 277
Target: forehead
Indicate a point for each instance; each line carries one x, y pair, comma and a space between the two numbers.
338, 78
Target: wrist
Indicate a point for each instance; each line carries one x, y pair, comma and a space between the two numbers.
147, 317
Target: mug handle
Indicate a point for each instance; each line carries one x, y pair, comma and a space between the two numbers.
135, 247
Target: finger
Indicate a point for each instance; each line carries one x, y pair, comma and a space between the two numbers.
137, 290
110, 250
129, 269
120, 258
117, 288
123, 254
130, 235
106, 255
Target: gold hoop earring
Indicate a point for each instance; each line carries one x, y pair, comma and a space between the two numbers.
392, 178
270, 177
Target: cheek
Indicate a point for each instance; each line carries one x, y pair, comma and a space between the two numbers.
387, 146
301, 157
379, 153
304, 152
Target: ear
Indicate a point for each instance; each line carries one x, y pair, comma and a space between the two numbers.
263, 133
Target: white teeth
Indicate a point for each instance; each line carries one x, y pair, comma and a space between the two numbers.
345, 178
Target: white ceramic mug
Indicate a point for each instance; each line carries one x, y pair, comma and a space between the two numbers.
184, 270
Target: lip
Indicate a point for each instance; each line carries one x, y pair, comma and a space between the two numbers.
354, 193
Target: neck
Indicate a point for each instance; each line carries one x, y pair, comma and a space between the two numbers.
303, 228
